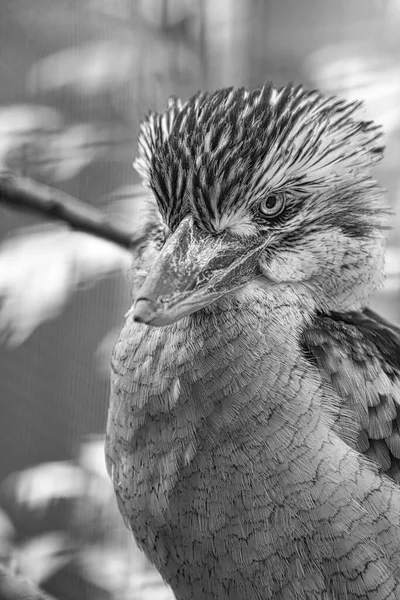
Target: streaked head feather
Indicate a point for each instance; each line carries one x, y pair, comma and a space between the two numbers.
233, 147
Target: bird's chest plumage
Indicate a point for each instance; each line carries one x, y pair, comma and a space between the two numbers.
177, 393
187, 469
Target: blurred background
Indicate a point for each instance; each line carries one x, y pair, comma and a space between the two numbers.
76, 77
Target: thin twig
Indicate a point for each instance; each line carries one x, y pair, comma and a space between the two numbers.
26, 194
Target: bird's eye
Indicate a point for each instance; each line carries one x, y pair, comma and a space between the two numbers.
272, 206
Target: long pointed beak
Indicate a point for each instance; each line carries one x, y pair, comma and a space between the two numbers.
193, 270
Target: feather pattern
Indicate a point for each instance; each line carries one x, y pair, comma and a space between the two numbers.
358, 354
234, 145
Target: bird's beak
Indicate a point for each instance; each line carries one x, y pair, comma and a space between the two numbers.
193, 270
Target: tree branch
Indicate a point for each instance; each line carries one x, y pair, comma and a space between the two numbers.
26, 194
13, 587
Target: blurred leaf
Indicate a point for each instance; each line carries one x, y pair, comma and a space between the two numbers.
20, 124
34, 488
68, 153
23, 118
36, 279
41, 269
43, 555
107, 566
42, 498
34, 140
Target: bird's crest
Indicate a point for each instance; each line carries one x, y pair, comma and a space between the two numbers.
234, 146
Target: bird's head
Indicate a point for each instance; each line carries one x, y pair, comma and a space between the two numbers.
271, 185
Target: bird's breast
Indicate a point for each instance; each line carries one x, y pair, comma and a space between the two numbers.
176, 391
192, 406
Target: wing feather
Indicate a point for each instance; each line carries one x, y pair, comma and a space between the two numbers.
358, 355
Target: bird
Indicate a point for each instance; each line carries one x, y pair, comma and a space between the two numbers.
253, 432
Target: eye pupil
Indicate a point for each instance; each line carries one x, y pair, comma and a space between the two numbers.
270, 202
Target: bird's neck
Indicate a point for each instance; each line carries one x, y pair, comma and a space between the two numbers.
245, 340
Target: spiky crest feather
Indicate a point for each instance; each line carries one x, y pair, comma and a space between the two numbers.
228, 149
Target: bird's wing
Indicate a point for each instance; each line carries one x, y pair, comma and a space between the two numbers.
358, 354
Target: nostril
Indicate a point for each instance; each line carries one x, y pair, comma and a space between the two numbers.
145, 310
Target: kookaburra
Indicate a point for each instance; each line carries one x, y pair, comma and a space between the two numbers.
253, 430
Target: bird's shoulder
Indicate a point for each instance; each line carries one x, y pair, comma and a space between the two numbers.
358, 354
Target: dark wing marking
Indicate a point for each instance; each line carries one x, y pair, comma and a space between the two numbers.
358, 354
